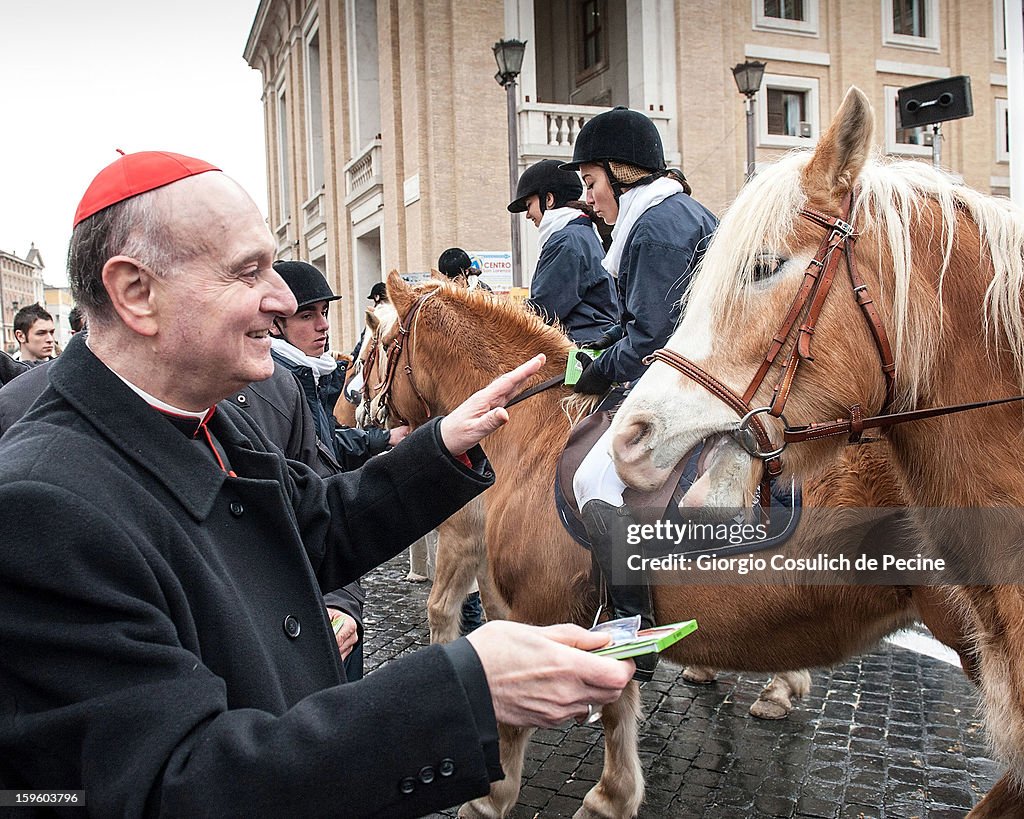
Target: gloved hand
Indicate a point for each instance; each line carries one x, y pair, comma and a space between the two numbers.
591, 381
607, 340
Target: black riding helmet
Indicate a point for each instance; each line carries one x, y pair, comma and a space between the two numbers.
307, 284
546, 177
454, 262
619, 135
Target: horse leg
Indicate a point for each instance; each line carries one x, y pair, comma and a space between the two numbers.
997, 614
776, 700
948, 626
699, 674
504, 793
459, 550
1004, 801
620, 790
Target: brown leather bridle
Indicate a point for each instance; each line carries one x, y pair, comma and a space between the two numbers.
819, 276
751, 432
402, 342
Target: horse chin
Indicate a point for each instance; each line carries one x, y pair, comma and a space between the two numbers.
725, 479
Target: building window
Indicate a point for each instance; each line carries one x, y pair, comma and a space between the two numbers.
904, 141
911, 23
284, 193
999, 25
314, 116
791, 16
788, 111
591, 38
1002, 131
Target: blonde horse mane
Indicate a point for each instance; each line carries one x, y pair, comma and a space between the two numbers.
891, 195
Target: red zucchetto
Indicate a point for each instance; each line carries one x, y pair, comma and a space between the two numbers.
133, 174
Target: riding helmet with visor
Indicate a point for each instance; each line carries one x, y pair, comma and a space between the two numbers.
307, 284
546, 177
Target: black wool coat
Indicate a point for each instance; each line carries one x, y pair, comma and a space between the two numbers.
164, 641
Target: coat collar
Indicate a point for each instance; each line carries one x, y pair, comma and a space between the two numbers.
138, 431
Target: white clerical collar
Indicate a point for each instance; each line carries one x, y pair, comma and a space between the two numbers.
156, 403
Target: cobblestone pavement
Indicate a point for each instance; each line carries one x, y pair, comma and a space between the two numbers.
889, 734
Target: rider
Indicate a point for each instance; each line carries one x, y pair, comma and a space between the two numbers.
659, 234
569, 283
457, 266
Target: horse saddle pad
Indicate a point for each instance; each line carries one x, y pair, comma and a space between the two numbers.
782, 518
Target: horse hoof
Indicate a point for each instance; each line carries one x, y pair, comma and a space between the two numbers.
415, 577
696, 675
469, 810
766, 709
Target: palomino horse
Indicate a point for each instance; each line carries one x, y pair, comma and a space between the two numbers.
944, 266
543, 576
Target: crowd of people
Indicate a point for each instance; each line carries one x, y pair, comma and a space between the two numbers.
183, 627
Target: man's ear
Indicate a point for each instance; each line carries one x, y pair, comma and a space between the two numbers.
20, 337
277, 328
130, 287
549, 201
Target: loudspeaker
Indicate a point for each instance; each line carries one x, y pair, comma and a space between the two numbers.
935, 101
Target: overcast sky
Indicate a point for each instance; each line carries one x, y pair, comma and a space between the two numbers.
79, 78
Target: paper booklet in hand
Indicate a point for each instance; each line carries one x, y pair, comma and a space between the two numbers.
629, 640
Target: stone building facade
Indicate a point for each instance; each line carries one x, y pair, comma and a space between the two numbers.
21, 284
386, 131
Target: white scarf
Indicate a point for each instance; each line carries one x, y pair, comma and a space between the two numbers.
632, 205
321, 366
554, 220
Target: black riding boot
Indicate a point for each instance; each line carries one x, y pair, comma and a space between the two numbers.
630, 594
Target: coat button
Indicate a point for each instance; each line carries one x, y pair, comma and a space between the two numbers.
237, 509
407, 785
447, 767
426, 774
292, 626
241, 399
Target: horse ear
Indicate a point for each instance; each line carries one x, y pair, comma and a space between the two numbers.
439, 276
842, 151
399, 292
372, 322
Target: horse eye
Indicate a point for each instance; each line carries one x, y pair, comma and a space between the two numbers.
765, 268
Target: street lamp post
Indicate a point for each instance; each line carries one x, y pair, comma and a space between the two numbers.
748, 78
508, 54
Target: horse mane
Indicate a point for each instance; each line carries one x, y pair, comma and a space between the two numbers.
507, 333
892, 196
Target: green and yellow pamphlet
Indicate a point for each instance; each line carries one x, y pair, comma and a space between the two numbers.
647, 641
573, 366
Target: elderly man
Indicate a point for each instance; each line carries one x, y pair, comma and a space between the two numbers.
165, 643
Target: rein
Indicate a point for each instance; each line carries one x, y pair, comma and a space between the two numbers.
751, 432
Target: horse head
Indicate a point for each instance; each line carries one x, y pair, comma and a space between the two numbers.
837, 286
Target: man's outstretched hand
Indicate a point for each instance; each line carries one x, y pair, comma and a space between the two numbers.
484, 411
